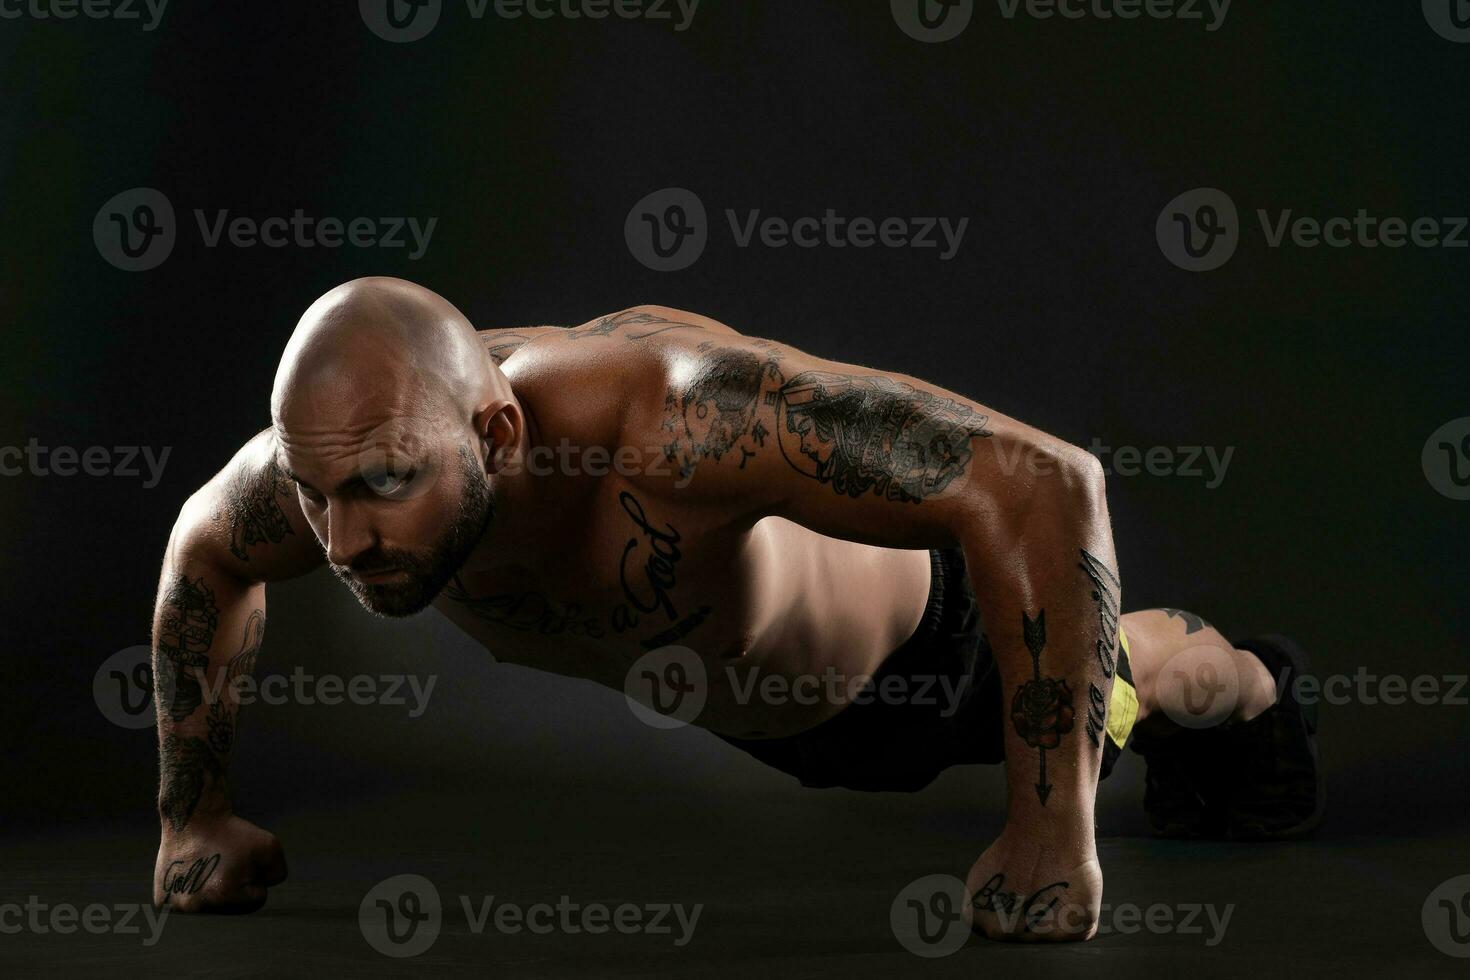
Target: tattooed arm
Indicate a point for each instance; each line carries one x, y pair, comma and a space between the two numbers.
240, 530
894, 461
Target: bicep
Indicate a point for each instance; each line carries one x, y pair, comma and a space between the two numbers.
849, 451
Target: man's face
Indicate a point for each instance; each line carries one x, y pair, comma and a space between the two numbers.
398, 508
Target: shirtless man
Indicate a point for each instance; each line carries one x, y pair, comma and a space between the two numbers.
744, 511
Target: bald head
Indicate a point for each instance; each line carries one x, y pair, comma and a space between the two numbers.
383, 343
387, 413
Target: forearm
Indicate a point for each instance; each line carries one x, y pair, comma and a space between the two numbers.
1049, 592
207, 629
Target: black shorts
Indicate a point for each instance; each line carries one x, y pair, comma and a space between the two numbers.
945, 706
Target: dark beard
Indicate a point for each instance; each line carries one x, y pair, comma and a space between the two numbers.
428, 574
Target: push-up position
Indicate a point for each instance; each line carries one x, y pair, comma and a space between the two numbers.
762, 511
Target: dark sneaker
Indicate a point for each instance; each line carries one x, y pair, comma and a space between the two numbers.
1276, 789
1180, 798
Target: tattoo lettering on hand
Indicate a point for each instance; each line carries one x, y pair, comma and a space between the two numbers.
1106, 590
255, 513
875, 435
1192, 623
1009, 906
187, 622
1042, 708
181, 880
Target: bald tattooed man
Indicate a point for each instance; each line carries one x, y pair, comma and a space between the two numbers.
654, 495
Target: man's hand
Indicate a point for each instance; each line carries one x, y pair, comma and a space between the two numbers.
1028, 888
217, 863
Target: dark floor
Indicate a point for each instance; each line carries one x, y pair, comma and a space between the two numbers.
793, 884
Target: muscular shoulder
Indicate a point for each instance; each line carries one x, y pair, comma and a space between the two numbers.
633, 324
606, 381
247, 519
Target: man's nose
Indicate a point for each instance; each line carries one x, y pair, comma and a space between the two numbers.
349, 534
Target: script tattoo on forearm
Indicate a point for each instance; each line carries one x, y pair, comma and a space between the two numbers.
1106, 592
1192, 623
1097, 714
1042, 708
875, 435
254, 512
1008, 906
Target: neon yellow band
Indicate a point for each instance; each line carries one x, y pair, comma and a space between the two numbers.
1123, 709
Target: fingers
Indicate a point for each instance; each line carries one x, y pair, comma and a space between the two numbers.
241, 901
253, 863
220, 897
265, 870
271, 863
1070, 924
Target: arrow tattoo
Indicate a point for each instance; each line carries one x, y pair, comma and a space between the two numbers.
1042, 709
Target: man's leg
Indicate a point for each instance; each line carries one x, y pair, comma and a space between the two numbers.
1186, 672
1231, 750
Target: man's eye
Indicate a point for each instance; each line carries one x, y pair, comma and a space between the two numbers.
386, 482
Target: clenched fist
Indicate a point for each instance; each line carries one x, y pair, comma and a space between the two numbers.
217, 863
1029, 888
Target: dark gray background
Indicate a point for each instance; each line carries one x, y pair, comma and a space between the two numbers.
1326, 369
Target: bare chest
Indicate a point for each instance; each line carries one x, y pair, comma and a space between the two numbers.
599, 588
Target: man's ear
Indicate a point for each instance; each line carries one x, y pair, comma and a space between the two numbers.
499, 424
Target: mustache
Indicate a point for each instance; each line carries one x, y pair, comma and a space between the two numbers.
377, 560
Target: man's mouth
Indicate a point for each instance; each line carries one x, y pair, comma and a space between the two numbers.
377, 576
